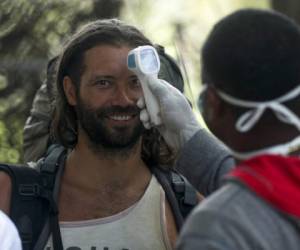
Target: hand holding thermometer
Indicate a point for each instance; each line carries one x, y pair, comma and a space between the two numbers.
144, 62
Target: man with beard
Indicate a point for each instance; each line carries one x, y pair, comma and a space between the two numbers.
107, 195
203, 170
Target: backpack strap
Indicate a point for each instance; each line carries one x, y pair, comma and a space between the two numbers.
33, 208
48, 171
181, 195
185, 193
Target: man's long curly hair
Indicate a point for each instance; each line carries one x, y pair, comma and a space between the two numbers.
113, 32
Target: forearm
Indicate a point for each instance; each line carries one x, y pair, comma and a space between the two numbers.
203, 161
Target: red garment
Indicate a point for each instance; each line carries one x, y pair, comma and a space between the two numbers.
274, 178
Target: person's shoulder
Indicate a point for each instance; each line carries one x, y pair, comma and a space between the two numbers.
233, 217
212, 222
233, 201
5, 222
8, 234
215, 208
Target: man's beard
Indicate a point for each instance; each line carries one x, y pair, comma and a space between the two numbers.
103, 137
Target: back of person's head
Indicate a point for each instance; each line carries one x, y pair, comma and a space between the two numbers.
253, 55
251, 66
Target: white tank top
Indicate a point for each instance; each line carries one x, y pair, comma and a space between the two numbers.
139, 227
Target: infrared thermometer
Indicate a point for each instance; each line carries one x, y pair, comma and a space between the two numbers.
144, 62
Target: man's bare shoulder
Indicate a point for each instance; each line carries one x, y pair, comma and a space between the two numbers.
5, 191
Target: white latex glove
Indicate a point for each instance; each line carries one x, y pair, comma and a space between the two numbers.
179, 123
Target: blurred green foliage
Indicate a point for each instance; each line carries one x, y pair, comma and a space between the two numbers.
8, 153
32, 32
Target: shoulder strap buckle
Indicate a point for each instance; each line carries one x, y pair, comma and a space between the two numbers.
32, 190
178, 183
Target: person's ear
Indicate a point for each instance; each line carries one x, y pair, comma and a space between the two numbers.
213, 103
70, 90
215, 113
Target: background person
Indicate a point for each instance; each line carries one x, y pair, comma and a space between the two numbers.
9, 237
251, 63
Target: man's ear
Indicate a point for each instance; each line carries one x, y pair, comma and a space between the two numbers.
220, 117
214, 113
70, 91
214, 105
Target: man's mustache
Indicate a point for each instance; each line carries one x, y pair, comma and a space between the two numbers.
118, 110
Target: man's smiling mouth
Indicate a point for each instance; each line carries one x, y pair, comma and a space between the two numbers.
121, 117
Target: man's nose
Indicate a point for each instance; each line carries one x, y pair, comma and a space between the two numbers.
123, 97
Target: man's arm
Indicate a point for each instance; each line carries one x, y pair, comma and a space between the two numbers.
203, 160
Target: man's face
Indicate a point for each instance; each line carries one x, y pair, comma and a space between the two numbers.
106, 101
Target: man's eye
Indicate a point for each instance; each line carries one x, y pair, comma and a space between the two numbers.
102, 83
136, 82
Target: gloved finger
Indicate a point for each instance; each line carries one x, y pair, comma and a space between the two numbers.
141, 103
157, 86
144, 116
147, 125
